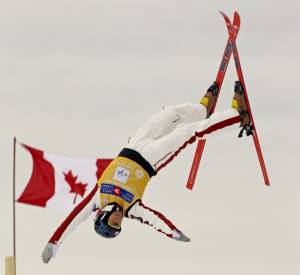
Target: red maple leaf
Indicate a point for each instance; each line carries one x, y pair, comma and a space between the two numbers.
77, 188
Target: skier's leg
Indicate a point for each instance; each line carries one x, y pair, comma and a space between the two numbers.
167, 120
161, 151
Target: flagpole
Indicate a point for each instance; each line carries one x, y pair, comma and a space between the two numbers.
14, 204
10, 261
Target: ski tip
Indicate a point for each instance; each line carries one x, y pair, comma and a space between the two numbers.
226, 18
236, 14
236, 20
224, 15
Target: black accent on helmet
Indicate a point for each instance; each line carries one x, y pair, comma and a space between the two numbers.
101, 225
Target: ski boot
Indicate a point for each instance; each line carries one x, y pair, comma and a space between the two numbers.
209, 99
239, 103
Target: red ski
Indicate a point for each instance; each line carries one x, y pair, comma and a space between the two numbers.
232, 31
255, 136
219, 81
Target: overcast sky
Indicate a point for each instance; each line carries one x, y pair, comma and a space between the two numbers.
79, 77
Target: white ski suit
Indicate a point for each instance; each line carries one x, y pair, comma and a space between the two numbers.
155, 145
166, 133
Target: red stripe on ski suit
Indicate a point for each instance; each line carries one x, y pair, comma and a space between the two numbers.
61, 229
101, 166
209, 130
159, 215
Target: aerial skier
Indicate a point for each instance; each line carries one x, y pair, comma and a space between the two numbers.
120, 188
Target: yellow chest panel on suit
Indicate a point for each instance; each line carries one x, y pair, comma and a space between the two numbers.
123, 181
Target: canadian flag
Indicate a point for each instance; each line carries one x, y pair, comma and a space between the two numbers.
60, 182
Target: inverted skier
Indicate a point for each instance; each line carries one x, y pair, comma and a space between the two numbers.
120, 188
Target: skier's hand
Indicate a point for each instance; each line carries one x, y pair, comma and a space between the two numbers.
179, 236
48, 252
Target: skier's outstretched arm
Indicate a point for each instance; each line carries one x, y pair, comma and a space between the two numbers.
157, 220
80, 213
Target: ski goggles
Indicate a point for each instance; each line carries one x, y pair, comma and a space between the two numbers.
105, 230
103, 213
114, 225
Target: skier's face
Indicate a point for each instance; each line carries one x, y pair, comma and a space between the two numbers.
115, 219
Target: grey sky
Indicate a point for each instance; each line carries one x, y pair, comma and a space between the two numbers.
79, 77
